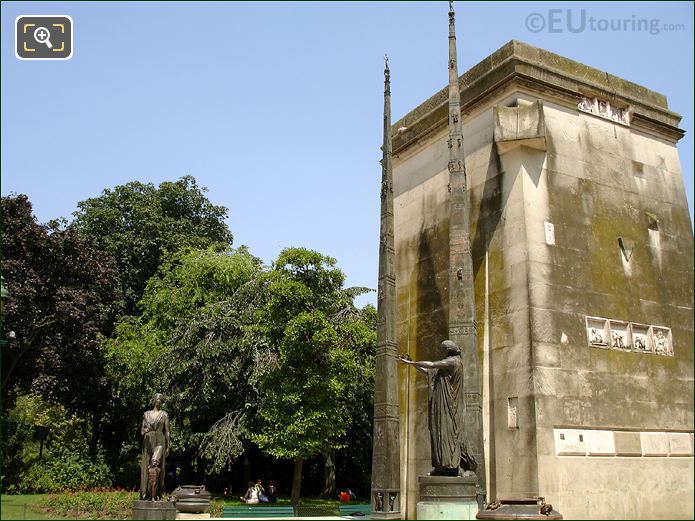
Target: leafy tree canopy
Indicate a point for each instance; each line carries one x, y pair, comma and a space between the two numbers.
310, 324
138, 223
64, 297
276, 355
189, 344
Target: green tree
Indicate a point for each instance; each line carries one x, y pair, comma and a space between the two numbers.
354, 461
304, 403
189, 344
64, 299
138, 223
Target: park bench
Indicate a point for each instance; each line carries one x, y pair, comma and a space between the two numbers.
355, 510
257, 511
262, 511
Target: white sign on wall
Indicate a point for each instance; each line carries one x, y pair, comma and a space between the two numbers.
679, 444
570, 442
654, 443
600, 443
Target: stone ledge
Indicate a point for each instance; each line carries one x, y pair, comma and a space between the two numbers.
533, 68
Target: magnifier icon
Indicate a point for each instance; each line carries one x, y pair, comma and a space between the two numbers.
43, 35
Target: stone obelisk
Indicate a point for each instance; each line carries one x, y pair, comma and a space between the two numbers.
462, 324
386, 497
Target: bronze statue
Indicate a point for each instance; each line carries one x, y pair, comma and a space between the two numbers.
445, 408
379, 502
155, 449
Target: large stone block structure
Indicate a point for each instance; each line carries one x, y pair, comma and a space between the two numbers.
583, 261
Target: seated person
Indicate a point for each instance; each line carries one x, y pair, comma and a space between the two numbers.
251, 496
272, 492
261, 492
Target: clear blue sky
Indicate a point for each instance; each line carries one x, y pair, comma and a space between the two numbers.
277, 107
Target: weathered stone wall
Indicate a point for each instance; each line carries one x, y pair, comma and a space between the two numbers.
607, 181
511, 223
624, 488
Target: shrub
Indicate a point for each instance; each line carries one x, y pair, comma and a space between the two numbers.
216, 508
16, 438
101, 504
65, 450
66, 471
113, 504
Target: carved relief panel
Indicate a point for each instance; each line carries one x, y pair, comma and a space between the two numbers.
597, 331
604, 109
641, 338
619, 336
628, 336
661, 337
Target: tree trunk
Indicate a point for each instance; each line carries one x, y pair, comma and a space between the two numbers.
297, 480
329, 488
247, 472
96, 433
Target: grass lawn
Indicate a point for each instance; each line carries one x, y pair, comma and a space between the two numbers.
20, 507
24, 506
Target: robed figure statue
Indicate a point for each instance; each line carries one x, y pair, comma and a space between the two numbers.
155, 449
445, 409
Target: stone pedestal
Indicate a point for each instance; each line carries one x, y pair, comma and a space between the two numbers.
184, 515
154, 510
443, 497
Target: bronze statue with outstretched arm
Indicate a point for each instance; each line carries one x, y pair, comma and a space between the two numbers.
445, 407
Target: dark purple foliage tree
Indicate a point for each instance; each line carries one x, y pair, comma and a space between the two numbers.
64, 298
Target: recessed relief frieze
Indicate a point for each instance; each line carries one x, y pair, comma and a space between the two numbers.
629, 336
604, 109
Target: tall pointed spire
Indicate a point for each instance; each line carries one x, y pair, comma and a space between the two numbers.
386, 478
462, 323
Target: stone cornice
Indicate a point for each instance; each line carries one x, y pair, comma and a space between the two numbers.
520, 65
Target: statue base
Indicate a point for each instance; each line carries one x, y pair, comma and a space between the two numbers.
156, 510
520, 508
444, 497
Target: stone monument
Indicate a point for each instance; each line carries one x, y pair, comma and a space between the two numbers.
155, 450
385, 494
582, 250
